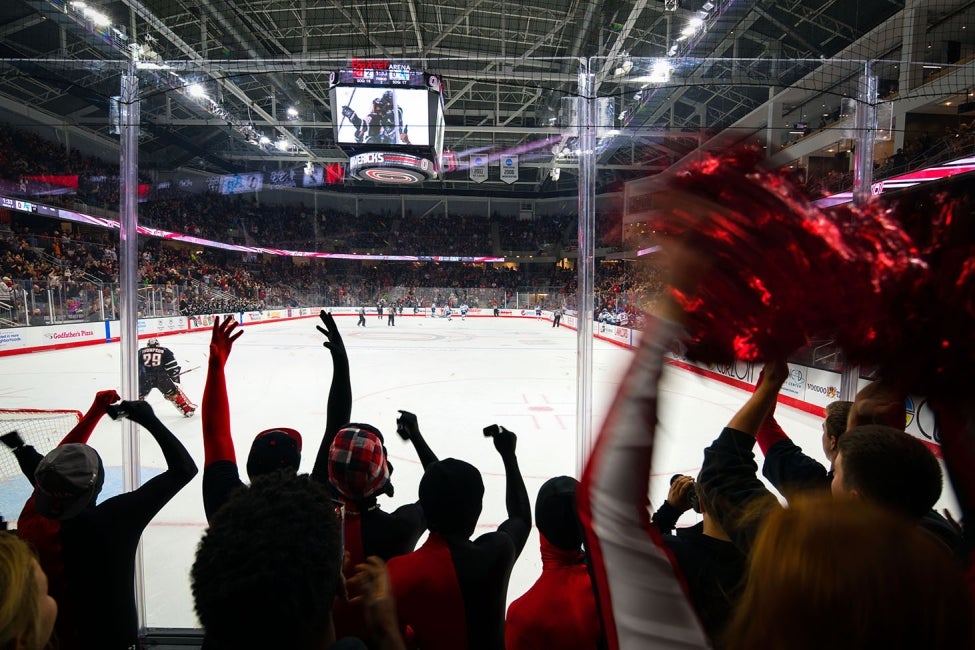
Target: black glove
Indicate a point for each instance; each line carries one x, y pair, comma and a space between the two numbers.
406, 425
12, 440
505, 441
348, 112
139, 411
331, 331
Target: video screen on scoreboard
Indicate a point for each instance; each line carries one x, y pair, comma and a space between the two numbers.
382, 116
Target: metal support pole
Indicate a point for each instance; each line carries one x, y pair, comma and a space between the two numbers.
129, 298
866, 135
586, 263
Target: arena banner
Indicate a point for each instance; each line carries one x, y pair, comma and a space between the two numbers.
478, 170
49, 337
509, 169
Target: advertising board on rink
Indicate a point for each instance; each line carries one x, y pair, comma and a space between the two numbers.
50, 337
806, 388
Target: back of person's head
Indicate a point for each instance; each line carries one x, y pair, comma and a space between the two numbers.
837, 415
556, 515
890, 468
358, 467
879, 402
27, 612
267, 569
451, 495
274, 450
845, 574
67, 481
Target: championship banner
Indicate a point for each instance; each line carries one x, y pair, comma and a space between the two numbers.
478, 169
509, 169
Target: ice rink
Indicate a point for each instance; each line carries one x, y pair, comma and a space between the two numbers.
457, 376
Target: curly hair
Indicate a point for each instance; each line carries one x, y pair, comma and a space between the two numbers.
268, 568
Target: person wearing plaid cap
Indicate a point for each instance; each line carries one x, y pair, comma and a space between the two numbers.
353, 463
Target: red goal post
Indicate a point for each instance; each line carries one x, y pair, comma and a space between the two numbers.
42, 428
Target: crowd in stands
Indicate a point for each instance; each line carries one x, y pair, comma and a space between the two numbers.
72, 271
858, 559
919, 151
242, 219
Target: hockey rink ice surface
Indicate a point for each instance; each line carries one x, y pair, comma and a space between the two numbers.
457, 377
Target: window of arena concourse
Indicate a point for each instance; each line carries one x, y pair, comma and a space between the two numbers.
165, 160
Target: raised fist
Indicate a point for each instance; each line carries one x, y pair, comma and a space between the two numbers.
505, 441
139, 411
12, 440
105, 397
406, 425
774, 372
348, 112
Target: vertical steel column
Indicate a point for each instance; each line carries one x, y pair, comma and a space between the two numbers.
586, 263
129, 297
866, 136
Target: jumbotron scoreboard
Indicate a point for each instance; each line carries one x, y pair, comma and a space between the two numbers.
389, 119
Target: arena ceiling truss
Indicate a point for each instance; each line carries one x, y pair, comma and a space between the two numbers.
506, 64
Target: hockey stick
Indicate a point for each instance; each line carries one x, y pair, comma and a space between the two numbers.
349, 104
180, 374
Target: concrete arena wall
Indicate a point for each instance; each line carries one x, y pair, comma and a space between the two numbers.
809, 389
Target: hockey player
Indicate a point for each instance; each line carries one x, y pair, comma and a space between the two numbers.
463, 311
447, 311
158, 369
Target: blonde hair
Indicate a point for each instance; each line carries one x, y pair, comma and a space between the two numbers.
19, 597
845, 574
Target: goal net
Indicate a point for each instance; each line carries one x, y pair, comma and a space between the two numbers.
42, 428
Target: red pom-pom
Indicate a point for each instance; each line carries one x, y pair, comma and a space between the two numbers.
782, 271
894, 286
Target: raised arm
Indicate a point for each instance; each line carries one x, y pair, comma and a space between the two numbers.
519, 522
28, 457
338, 410
641, 600
409, 429
760, 404
729, 473
145, 501
82, 431
217, 442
